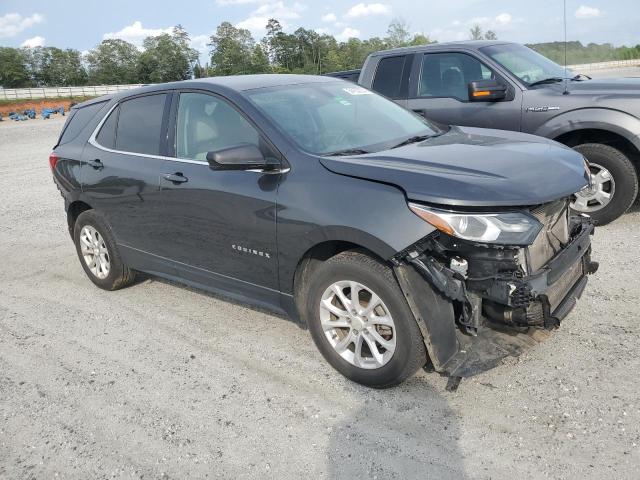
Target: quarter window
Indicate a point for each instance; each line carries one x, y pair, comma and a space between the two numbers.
207, 123
390, 76
449, 75
107, 134
140, 124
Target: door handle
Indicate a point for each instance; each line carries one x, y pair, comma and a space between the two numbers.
175, 178
96, 164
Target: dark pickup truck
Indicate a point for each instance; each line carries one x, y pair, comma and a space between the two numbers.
508, 86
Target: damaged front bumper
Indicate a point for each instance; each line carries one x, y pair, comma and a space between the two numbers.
476, 304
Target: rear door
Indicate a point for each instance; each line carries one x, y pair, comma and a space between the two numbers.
391, 77
439, 91
122, 165
220, 225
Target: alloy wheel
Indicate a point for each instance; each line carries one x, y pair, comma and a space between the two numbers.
357, 324
94, 251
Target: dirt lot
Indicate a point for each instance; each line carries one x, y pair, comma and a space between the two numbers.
161, 381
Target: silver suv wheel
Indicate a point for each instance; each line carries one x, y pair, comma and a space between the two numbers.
357, 324
94, 251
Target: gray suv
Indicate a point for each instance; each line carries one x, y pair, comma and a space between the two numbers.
398, 243
508, 86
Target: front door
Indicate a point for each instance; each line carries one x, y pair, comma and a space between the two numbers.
440, 93
220, 225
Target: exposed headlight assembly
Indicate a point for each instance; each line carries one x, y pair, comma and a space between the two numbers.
508, 228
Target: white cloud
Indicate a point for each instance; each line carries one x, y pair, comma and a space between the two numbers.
279, 10
257, 21
502, 20
585, 11
329, 17
348, 33
367, 9
33, 42
136, 33
11, 24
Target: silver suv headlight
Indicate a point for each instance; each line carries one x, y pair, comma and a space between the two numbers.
508, 228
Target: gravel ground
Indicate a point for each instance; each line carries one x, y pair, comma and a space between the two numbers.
161, 381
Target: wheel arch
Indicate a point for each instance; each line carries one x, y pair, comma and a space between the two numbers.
596, 121
604, 136
74, 210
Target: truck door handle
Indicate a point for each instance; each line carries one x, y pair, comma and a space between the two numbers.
96, 164
175, 178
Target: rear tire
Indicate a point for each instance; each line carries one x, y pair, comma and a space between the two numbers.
390, 324
620, 183
98, 253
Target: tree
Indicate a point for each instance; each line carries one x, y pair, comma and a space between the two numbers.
113, 62
490, 35
475, 33
231, 50
13, 68
166, 58
398, 33
55, 67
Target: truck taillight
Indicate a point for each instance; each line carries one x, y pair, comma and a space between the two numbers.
53, 159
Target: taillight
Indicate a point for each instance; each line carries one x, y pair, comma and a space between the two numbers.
53, 159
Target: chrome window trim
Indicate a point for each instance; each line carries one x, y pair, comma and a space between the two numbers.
94, 142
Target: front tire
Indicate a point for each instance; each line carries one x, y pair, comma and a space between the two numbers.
614, 184
360, 321
98, 253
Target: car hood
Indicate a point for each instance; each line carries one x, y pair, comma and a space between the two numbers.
606, 86
473, 167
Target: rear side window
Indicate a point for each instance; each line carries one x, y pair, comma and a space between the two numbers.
78, 119
140, 123
390, 77
107, 134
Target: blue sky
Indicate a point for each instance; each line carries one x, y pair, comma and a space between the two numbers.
82, 24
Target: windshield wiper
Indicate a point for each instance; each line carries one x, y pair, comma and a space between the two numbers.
414, 139
547, 80
349, 151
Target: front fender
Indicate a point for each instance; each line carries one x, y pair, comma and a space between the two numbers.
614, 121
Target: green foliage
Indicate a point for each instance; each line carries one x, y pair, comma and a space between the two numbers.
13, 68
476, 33
53, 66
232, 50
113, 62
578, 53
166, 58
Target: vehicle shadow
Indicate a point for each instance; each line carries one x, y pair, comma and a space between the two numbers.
405, 432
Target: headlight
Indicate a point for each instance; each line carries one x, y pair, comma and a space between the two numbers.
509, 228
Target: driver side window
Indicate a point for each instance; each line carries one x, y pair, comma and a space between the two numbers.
206, 123
449, 74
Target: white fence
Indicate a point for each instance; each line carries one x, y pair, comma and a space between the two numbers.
606, 65
58, 92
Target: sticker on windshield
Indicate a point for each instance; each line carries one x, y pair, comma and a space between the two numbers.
357, 91
342, 101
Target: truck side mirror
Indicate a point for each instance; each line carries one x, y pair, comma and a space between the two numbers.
486, 91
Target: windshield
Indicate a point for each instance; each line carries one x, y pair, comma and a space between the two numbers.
331, 117
526, 64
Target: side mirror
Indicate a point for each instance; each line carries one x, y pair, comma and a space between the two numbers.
487, 91
239, 157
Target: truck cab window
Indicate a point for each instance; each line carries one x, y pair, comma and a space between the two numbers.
449, 74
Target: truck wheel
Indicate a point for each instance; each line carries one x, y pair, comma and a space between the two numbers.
614, 183
98, 254
360, 321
